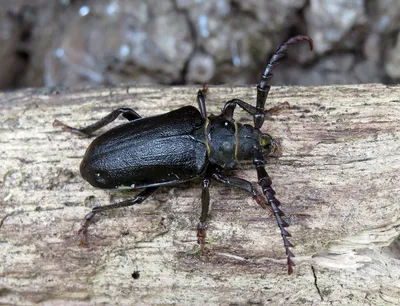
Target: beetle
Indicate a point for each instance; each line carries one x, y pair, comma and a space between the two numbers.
184, 144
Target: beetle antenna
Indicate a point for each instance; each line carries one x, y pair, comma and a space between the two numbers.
263, 88
279, 53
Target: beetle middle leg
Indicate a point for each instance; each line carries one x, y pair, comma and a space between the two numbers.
205, 206
127, 113
241, 184
82, 233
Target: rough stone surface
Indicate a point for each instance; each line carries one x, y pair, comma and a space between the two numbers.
107, 49
392, 64
12, 51
201, 68
74, 44
329, 22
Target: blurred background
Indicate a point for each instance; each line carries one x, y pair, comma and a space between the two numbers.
72, 43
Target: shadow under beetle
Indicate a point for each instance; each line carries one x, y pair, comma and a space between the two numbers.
182, 145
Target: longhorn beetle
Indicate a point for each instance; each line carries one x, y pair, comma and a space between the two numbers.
184, 144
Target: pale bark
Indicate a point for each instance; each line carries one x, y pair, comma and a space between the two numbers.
337, 178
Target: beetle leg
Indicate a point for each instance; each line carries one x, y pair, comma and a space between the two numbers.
265, 182
242, 184
201, 100
82, 233
127, 113
276, 109
230, 106
205, 206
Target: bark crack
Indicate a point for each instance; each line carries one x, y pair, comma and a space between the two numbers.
3, 219
316, 283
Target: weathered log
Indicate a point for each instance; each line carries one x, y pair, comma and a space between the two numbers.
337, 177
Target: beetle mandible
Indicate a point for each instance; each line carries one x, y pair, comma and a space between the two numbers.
182, 145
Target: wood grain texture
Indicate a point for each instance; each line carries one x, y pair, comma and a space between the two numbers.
337, 177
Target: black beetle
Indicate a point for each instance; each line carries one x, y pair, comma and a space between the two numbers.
182, 145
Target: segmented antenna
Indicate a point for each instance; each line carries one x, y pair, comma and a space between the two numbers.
279, 53
263, 179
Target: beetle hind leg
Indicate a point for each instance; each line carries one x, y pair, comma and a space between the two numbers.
127, 113
82, 233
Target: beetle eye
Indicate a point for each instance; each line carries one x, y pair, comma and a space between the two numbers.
265, 140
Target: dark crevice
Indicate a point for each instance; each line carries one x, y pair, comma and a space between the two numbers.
193, 35
299, 25
316, 283
3, 219
23, 22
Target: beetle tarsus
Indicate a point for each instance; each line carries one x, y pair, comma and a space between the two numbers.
277, 109
67, 128
205, 88
83, 240
87, 131
201, 237
82, 233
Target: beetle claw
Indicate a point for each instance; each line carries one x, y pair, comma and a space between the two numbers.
277, 109
82, 234
205, 88
260, 200
201, 237
67, 128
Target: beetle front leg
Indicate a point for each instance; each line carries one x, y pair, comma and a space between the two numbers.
82, 233
265, 182
205, 206
201, 100
230, 106
277, 109
127, 113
